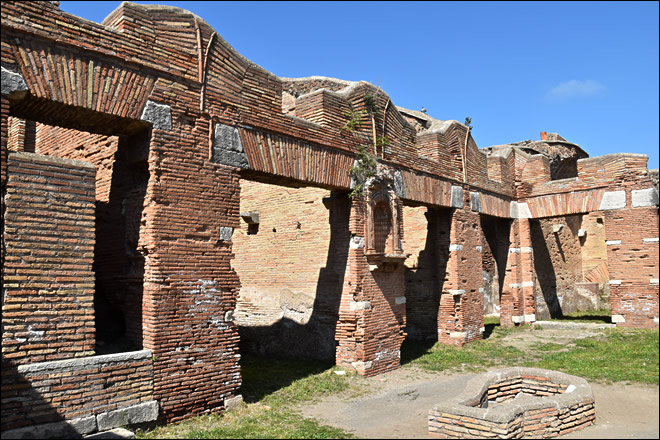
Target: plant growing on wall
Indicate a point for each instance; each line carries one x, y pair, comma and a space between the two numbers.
354, 118
365, 163
364, 168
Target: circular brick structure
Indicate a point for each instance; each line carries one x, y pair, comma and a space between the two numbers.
515, 403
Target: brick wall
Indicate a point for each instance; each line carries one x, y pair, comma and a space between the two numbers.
632, 264
495, 245
291, 265
427, 240
48, 392
48, 310
558, 265
97, 149
372, 309
176, 220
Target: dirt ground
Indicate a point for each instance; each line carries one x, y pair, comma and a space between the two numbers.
396, 404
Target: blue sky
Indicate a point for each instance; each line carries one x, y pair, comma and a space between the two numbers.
585, 70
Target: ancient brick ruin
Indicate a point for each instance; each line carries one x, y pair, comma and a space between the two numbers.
167, 204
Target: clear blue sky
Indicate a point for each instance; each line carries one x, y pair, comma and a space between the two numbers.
585, 70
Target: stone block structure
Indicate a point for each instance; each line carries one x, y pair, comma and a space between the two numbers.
162, 194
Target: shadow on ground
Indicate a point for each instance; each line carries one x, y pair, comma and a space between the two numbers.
265, 375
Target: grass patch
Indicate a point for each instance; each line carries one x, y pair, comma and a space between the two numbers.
618, 355
475, 356
624, 355
248, 421
271, 388
274, 389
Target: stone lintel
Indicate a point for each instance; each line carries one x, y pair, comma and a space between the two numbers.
12, 82
520, 210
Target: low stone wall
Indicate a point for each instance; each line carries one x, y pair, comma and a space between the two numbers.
515, 403
84, 395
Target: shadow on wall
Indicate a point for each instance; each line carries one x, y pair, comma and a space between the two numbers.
23, 405
316, 338
425, 283
118, 264
545, 274
496, 232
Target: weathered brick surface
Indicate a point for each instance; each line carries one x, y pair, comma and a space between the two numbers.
143, 96
515, 406
633, 265
291, 265
48, 310
63, 390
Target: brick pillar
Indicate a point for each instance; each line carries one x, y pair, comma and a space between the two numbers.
631, 236
371, 323
518, 302
190, 288
460, 315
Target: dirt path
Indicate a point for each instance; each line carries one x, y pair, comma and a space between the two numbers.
396, 404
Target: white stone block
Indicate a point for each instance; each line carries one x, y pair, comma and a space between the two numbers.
359, 305
644, 197
520, 210
618, 319
400, 300
613, 200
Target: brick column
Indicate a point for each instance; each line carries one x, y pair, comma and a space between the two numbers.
371, 323
190, 211
518, 302
460, 315
631, 236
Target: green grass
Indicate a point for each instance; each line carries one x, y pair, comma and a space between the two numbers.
272, 389
619, 355
475, 356
624, 355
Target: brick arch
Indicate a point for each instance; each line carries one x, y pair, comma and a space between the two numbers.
80, 90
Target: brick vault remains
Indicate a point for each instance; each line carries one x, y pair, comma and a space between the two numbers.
168, 204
